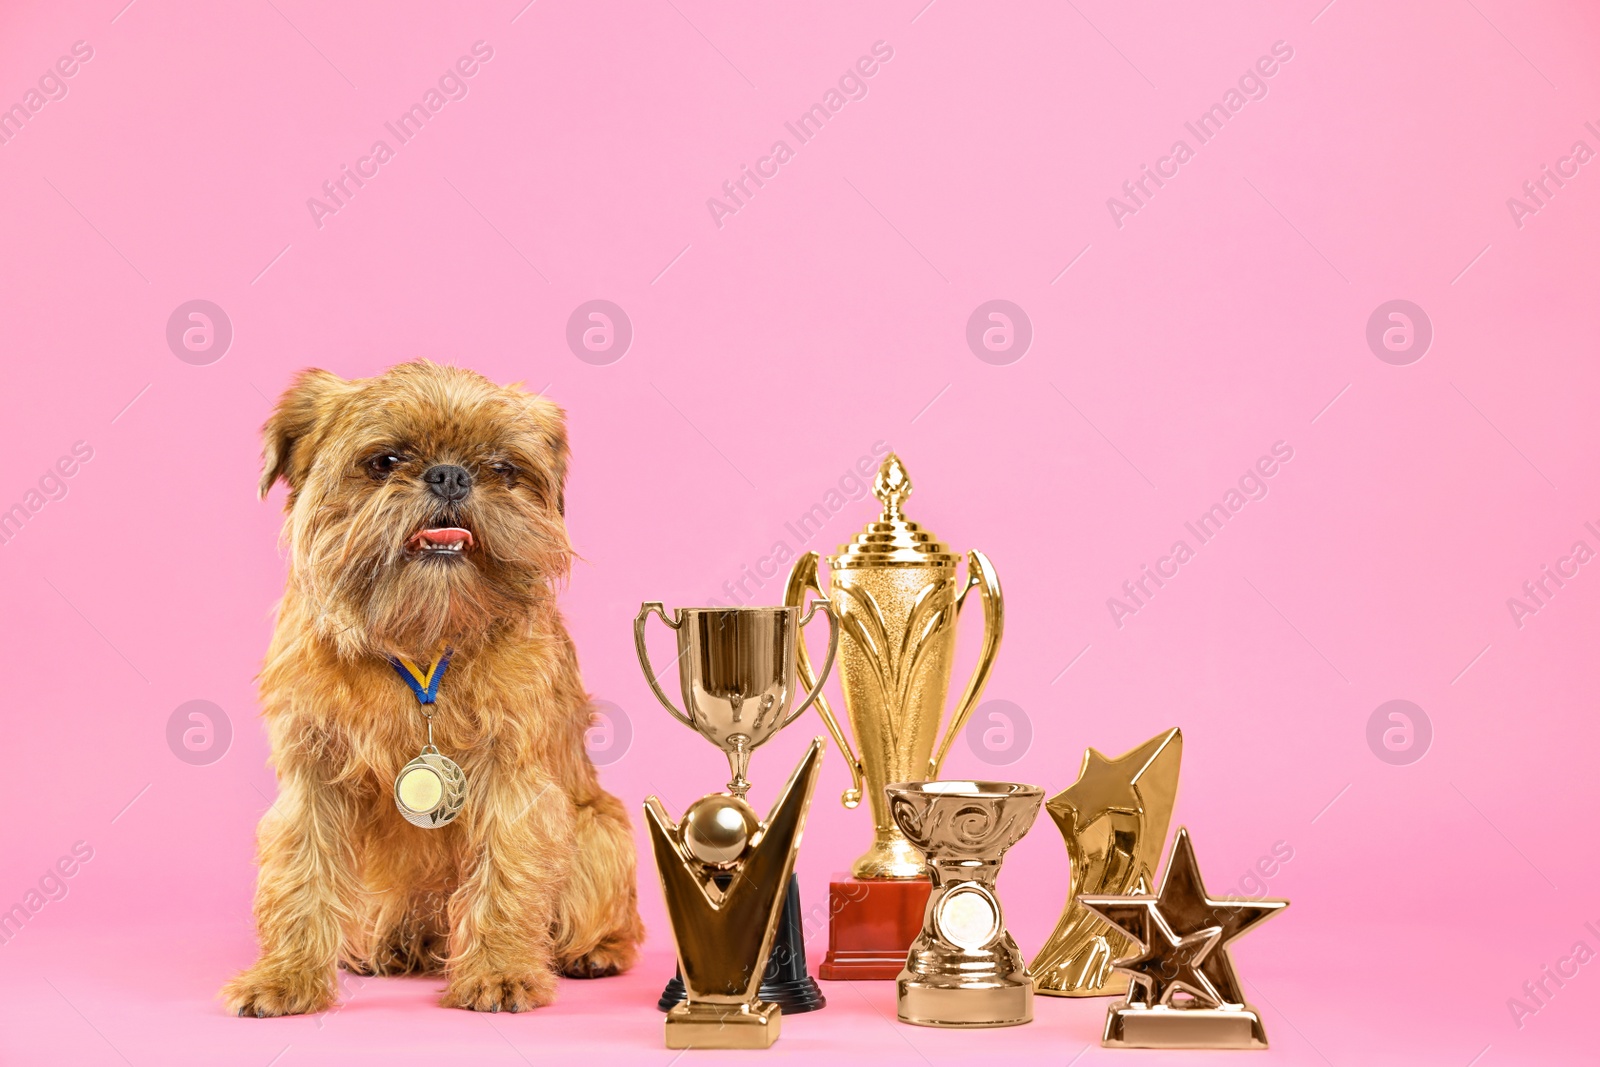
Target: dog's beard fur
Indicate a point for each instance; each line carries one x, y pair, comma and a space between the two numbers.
375, 595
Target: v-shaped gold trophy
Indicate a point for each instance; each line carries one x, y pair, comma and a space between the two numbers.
724, 935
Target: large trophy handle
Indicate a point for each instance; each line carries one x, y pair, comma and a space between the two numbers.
803, 577
644, 655
980, 573
827, 664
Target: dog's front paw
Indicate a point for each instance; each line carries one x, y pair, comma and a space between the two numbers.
500, 992
273, 989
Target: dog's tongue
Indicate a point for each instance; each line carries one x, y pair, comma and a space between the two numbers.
444, 535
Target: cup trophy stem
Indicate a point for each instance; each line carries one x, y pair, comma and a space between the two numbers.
738, 764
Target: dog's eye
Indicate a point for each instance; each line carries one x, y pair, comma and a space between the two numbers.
508, 471
382, 465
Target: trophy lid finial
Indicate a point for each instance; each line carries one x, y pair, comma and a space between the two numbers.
892, 485
893, 540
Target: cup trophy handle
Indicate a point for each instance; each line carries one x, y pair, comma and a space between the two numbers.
801, 578
827, 664
980, 573
644, 655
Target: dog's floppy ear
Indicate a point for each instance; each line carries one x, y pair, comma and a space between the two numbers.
301, 407
553, 429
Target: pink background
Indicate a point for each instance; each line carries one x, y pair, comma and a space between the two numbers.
768, 356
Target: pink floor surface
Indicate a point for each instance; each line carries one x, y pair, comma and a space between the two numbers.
1378, 267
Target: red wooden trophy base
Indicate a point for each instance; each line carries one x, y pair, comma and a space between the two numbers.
871, 927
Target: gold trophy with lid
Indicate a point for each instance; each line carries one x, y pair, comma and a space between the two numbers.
897, 596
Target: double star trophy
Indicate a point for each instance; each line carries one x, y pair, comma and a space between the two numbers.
920, 905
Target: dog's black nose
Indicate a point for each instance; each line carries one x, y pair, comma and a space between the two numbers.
448, 482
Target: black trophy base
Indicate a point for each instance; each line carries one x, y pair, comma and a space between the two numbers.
786, 983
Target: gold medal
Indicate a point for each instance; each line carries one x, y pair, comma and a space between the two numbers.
430, 790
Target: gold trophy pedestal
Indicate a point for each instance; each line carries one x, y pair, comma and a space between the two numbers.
741, 1026
1159, 1026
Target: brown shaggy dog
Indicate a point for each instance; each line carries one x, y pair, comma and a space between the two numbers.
536, 875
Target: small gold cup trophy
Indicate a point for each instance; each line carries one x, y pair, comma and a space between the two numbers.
1183, 938
964, 970
1114, 819
724, 927
897, 597
737, 668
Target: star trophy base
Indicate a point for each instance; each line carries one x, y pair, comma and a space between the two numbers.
871, 926
718, 1026
786, 982
1138, 1026
964, 1006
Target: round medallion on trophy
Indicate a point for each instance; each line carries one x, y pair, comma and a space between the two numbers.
968, 917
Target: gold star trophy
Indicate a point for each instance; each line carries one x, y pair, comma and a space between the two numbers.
1183, 938
724, 935
1114, 819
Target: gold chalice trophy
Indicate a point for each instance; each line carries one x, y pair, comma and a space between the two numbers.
723, 872
1114, 819
737, 668
897, 597
964, 970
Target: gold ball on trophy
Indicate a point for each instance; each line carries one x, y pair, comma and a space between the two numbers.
717, 829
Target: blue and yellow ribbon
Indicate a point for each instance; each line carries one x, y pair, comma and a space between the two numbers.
424, 682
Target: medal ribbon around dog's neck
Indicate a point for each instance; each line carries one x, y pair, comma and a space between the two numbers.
430, 790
